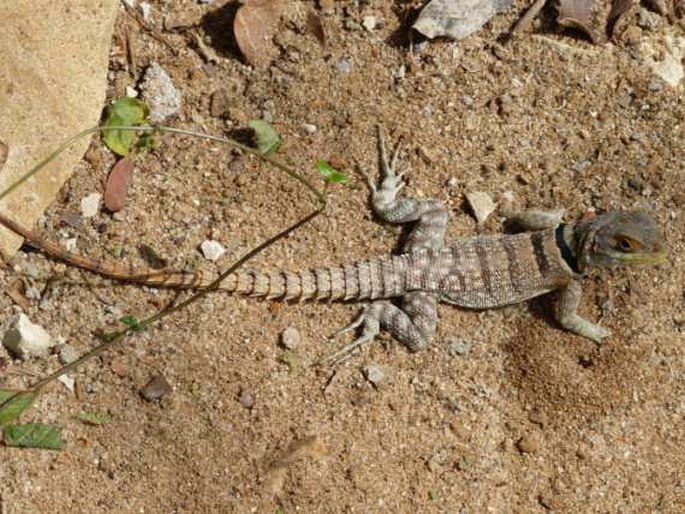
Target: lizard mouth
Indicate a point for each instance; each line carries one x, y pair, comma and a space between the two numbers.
649, 259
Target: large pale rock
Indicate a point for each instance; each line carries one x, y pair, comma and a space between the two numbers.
53, 75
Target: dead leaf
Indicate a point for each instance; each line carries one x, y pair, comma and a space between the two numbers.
456, 19
526, 20
577, 14
619, 8
3, 154
254, 27
15, 290
660, 6
118, 182
315, 27
311, 446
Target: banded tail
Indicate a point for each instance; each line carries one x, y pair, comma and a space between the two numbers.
382, 277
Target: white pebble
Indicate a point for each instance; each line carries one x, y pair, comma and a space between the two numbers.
309, 128
90, 205
212, 250
67, 381
369, 23
25, 339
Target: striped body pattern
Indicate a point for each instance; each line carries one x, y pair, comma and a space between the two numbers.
479, 272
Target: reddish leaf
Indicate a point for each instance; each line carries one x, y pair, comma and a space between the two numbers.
315, 27
254, 26
577, 14
117, 184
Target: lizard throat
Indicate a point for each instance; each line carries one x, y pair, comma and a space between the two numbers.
566, 252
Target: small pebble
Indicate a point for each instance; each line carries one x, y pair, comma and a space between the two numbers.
529, 443
67, 382
309, 128
146, 10
32, 293
373, 374
467, 100
90, 205
400, 73
538, 417
369, 23
246, 398
131, 92
290, 338
156, 388
67, 354
481, 205
24, 339
456, 346
452, 182
343, 66
655, 85
212, 250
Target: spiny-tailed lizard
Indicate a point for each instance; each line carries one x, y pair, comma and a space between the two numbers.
479, 272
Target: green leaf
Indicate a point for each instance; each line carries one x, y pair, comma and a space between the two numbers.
34, 435
13, 403
94, 418
330, 174
266, 137
131, 322
124, 112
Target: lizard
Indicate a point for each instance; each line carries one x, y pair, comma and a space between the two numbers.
479, 272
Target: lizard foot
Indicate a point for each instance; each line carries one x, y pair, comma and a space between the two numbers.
392, 181
371, 327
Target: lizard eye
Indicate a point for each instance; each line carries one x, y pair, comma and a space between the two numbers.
627, 244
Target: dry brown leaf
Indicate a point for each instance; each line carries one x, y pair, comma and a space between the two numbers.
118, 183
619, 8
577, 14
311, 446
315, 27
3, 154
527, 19
254, 27
15, 291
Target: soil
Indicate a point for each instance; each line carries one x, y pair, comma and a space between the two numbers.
525, 417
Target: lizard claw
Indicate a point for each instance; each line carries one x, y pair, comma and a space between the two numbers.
371, 327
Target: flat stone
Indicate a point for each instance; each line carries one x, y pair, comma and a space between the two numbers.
156, 388
25, 339
481, 204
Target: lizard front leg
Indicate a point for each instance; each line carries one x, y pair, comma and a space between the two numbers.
567, 305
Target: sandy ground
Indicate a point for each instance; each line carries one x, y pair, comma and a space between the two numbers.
531, 419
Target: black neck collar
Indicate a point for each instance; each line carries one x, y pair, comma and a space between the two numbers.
566, 252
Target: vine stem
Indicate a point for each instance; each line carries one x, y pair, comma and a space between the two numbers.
116, 337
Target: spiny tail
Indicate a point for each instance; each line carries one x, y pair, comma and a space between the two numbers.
382, 277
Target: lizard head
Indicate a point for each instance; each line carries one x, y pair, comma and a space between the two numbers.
621, 239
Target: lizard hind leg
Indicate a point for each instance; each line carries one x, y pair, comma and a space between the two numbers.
413, 324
